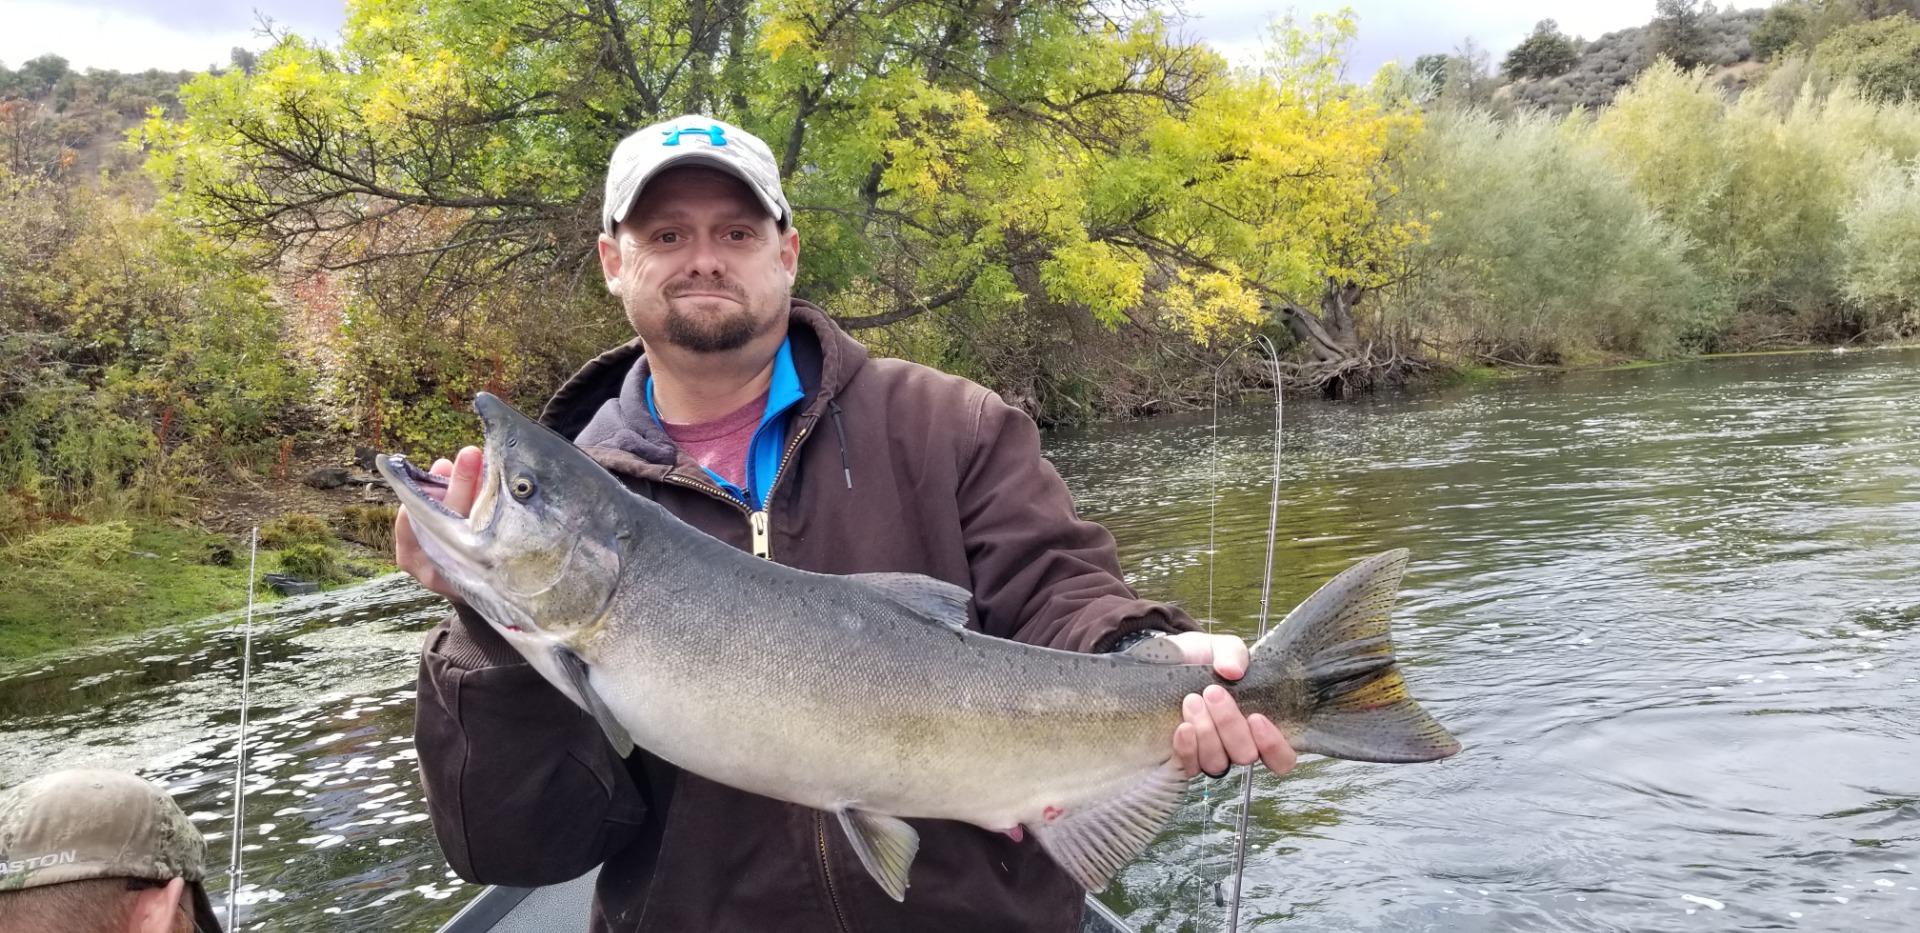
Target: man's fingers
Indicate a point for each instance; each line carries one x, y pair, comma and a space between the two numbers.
1230, 657
1210, 757
408, 556
1278, 756
1236, 740
1227, 653
1185, 749
463, 480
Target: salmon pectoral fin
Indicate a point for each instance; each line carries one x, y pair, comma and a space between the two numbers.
576, 669
885, 845
1094, 841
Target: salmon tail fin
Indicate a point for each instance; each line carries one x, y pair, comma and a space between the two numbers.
1326, 675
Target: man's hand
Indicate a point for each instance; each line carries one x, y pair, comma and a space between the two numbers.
463, 483
1216, 734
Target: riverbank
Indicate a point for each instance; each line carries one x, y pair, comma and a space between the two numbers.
1490, 374
175, 570
79, 583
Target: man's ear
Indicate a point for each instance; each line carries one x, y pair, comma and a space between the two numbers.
610, 262
154, 909
790, 252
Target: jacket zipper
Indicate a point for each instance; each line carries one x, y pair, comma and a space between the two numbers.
759, 523
833, 893
758, 520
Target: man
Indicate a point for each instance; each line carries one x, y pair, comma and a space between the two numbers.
753, 417
99, 852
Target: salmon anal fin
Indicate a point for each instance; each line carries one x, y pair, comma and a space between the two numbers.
1092, 843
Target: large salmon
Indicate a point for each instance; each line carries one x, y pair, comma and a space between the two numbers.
866, 695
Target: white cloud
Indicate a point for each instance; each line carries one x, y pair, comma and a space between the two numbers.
134, 35
143, 35
1405, 29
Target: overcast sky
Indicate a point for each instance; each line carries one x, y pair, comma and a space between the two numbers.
134, 35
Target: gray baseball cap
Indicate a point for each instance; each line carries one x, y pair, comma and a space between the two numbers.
86, 824
691, 140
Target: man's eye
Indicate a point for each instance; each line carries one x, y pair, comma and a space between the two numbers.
736, 235
668, 238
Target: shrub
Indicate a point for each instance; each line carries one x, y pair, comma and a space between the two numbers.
371, 525
313, 562
295, 528
71, 544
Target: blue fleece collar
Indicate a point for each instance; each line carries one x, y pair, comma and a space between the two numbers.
769, 439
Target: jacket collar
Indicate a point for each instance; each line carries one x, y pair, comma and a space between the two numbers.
603, 407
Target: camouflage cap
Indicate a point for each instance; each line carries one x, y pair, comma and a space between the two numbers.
85, 824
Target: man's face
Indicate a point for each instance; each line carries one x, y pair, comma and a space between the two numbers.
699, 264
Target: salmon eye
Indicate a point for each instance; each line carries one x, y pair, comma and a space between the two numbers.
522, 487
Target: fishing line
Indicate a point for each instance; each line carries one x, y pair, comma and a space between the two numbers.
1266, 595
240, 744
1266, 602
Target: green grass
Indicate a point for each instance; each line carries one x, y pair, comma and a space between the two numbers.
53, 601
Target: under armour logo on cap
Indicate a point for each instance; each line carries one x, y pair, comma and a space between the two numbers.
716, 135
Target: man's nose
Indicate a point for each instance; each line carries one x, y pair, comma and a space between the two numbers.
704, 258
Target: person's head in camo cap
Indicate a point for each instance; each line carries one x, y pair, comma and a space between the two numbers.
100, 852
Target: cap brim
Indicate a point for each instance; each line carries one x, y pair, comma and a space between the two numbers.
703, 160
204, 919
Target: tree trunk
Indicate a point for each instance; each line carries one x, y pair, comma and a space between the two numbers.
1330, 336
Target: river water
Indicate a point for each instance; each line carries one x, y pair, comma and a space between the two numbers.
1673, 613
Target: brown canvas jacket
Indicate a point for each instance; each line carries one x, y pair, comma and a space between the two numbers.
896, 467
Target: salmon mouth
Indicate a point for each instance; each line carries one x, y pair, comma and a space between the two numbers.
431, 487
424, 493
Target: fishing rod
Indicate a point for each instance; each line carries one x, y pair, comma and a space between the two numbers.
240, 744
1266, 591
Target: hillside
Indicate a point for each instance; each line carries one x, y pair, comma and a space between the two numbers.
58, 122
1611, 62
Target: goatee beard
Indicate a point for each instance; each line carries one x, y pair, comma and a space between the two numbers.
711, 334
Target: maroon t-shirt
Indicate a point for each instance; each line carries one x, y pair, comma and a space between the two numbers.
721, 445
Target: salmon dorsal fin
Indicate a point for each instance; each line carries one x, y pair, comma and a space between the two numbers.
885, 845
576, 668
938, 600
1092, 843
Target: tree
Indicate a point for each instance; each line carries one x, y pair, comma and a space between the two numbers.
1540, 252
1883, 251
1469, 76
40, 75
1677, 32
1034, 161
1783, 26
1881, 55
1432, 67
1546, 53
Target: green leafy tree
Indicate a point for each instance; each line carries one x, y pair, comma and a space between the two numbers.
1761, 192
1546, 53
1881, 55
1540, 251
1677, 31
1000, 166
1784, 26
41, 75
1883, 251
